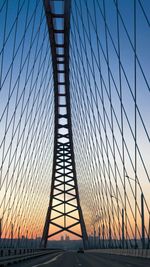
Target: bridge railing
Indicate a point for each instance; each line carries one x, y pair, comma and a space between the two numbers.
145, 253
10, 256
19, 251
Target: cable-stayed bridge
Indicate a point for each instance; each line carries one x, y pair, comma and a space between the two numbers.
74, 130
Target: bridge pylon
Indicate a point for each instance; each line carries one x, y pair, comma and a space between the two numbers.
64, 211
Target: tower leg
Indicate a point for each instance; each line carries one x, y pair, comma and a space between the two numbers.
64, 206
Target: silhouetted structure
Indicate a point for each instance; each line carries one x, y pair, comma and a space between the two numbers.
64, 198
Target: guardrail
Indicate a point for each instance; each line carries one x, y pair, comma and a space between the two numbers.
25, 255
10, 252
145, 253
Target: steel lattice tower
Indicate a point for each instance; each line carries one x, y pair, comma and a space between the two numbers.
64, 197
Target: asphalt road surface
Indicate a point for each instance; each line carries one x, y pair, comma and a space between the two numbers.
88, 259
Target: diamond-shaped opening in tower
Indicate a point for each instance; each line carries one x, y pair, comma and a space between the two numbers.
63, 121
63, 131
64, 140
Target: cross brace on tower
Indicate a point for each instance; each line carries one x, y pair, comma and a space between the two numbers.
64, 211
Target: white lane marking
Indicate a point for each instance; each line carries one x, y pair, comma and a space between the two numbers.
47, 262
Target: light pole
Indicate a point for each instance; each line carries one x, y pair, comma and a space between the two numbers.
18, 236
142, 215
99, 237
122, 228
36, 246
94, 236
12, 230
148, 245
12, 235
97, 219
136, 182
31, 245
103, 235
110, 238
122, 222
27, 239
142, 218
